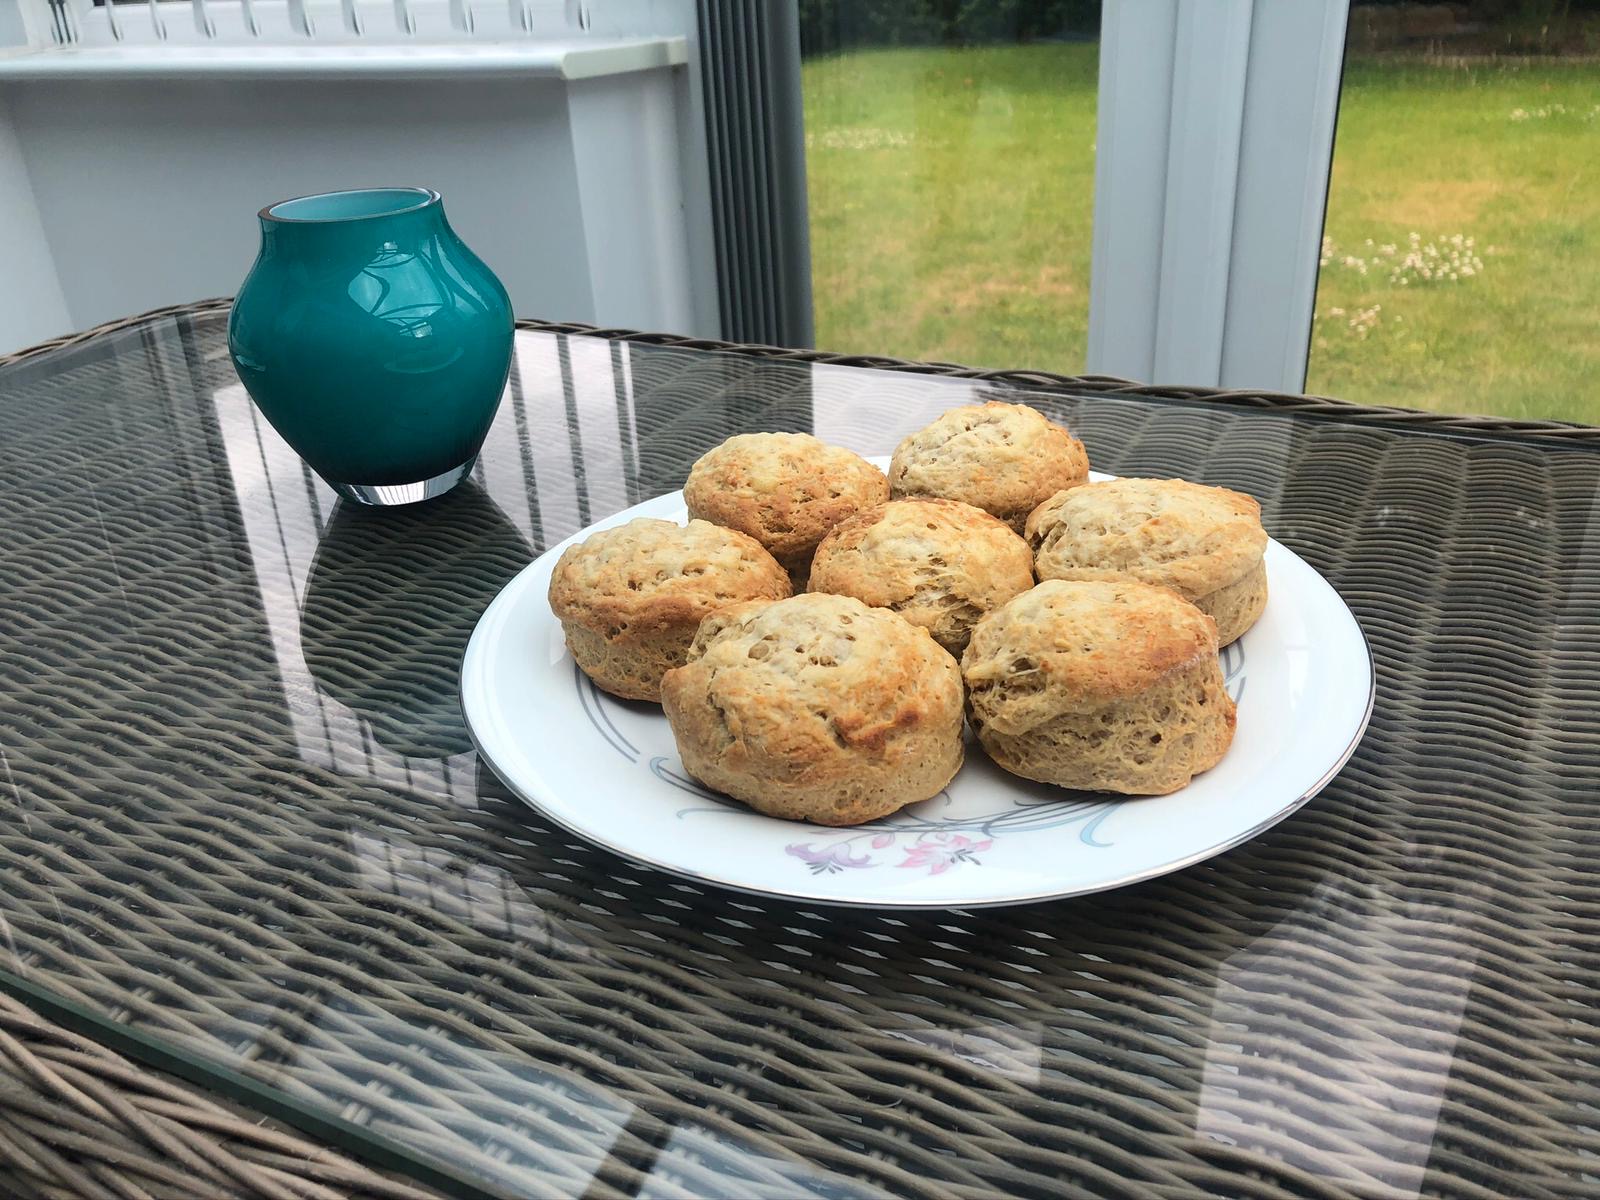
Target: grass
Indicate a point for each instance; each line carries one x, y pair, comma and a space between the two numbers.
1435, 150
951, 197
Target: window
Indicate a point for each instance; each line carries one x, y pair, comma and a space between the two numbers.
1463, 228
950, 173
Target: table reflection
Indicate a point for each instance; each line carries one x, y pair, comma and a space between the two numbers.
373, 572
1355, 1099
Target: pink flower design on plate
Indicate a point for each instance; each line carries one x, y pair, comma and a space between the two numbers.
828, 859
942, 851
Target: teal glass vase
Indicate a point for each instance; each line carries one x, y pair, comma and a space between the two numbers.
375, 342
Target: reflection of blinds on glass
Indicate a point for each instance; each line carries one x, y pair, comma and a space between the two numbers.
285, 510
69, 23
562, 452
755, 135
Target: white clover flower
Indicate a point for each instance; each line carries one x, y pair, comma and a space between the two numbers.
1447, 258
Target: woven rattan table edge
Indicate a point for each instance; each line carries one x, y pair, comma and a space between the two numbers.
145, 1124
1106, 385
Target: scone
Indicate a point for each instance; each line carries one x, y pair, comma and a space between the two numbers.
817, 709
786, 490
940, 564
1105, 686
1003, 458
630, 599
1205, 543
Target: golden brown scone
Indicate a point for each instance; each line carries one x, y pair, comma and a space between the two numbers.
630, 599
1002, 458
817, 709
1106, 686
1205, 543
786, 490
940, 564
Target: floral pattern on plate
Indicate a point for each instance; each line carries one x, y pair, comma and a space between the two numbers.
903, 840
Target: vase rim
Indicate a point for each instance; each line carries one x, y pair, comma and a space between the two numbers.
346, 205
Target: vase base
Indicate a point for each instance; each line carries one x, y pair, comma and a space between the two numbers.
387, 495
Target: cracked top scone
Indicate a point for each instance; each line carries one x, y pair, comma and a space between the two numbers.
1100, 685
1003, 458
940, 564
630, 599
786, 490
817, 709
1205, 543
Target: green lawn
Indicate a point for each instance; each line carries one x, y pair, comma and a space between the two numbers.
951, 193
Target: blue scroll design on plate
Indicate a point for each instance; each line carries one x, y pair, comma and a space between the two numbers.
914, 838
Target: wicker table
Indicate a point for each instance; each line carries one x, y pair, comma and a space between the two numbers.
252, 868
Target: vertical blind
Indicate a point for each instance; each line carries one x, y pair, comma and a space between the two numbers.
756, 140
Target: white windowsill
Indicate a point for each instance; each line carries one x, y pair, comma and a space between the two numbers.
566, 59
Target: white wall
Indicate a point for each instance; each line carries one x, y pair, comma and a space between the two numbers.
32, 307
148, 190
625, 147
680, 18
581, 191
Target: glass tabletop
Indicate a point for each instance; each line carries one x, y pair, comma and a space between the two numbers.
242, 825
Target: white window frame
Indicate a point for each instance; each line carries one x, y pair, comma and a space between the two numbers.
1214, 144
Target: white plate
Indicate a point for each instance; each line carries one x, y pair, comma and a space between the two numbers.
608, 770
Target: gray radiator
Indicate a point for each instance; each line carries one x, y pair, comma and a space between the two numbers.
756, 137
